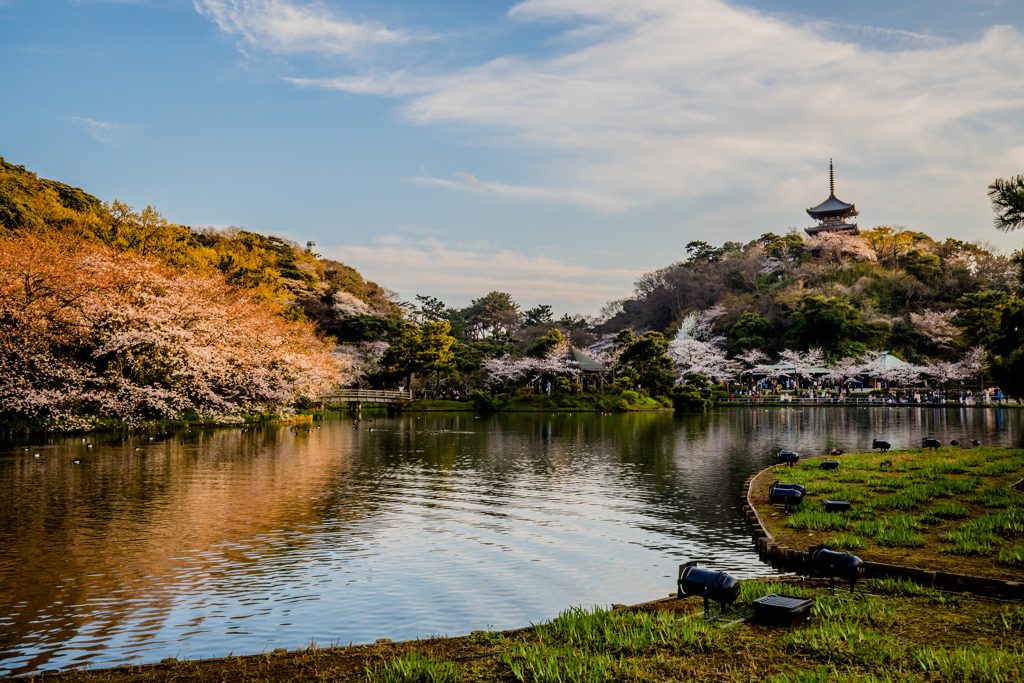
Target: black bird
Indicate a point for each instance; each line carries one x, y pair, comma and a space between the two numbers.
182, 443
932, 443
880, 445
836, 451
885, 463
975, 442
954, 442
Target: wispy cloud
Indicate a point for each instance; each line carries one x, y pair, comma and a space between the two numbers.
460, 271
105, 131
289, 27
468, 183
692, 99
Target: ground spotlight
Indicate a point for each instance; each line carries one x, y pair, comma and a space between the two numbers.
790, 495
788, 457
712, 586
836, 565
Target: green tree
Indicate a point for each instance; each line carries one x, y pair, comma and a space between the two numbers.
980, 315
435, 354
749, 331
495, 314
432, 309
830, 324
537, 316
403, 359
1006, 353
925, 267
1007, 198
646, 358
694, 395
699, 250
543, 346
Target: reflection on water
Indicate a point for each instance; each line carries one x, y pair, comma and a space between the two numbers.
241, 541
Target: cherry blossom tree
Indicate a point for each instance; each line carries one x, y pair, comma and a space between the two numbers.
935, 326
802, 361
88, 332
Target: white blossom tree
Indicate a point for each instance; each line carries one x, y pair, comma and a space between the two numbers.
935, 326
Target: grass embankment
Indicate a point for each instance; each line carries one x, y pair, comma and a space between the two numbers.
524, 402
902, 632
951, 510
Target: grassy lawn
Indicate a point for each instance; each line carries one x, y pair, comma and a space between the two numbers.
949, 510
900, 632
446, 405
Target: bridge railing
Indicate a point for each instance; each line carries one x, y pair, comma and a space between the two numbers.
366, 395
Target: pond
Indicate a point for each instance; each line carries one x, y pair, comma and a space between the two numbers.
202, 543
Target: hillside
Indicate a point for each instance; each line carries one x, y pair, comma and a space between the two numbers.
108, 314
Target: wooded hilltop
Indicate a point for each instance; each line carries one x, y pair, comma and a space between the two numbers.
112, 315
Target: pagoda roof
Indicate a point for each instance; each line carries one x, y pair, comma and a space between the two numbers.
831, 208
833, 227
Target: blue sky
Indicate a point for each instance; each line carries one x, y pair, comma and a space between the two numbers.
554, 149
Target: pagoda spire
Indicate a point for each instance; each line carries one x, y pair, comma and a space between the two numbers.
831, 180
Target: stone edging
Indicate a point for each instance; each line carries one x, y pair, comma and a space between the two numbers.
795, 560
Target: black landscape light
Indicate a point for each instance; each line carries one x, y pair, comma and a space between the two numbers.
716, 586
782, 610
790, 495
788, 457
880, 445
837, 506
829, 465
932, 443
836, 565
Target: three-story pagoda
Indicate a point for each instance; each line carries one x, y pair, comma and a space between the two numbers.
832, 213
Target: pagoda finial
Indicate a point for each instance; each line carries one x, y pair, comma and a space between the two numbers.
831, 180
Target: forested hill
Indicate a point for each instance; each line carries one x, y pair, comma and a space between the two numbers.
276, 269
110, 314
886, 289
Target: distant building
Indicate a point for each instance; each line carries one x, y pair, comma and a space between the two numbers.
832, 213
310, 246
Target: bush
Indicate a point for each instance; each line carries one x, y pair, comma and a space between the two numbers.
630, 397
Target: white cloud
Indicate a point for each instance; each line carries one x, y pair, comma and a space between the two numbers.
468, 183
665, 99
288, 27
105, 131
456, 273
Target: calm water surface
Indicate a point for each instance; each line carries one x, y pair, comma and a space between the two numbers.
239, 542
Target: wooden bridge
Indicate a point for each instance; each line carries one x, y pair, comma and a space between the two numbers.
364, 396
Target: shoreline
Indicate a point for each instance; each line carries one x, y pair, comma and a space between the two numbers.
1004, 582
893, 626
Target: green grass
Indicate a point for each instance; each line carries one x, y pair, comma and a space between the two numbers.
819, 520
953, 511
894, 537
1011, 557
412, 668
902, 636
847, 542
946, 511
